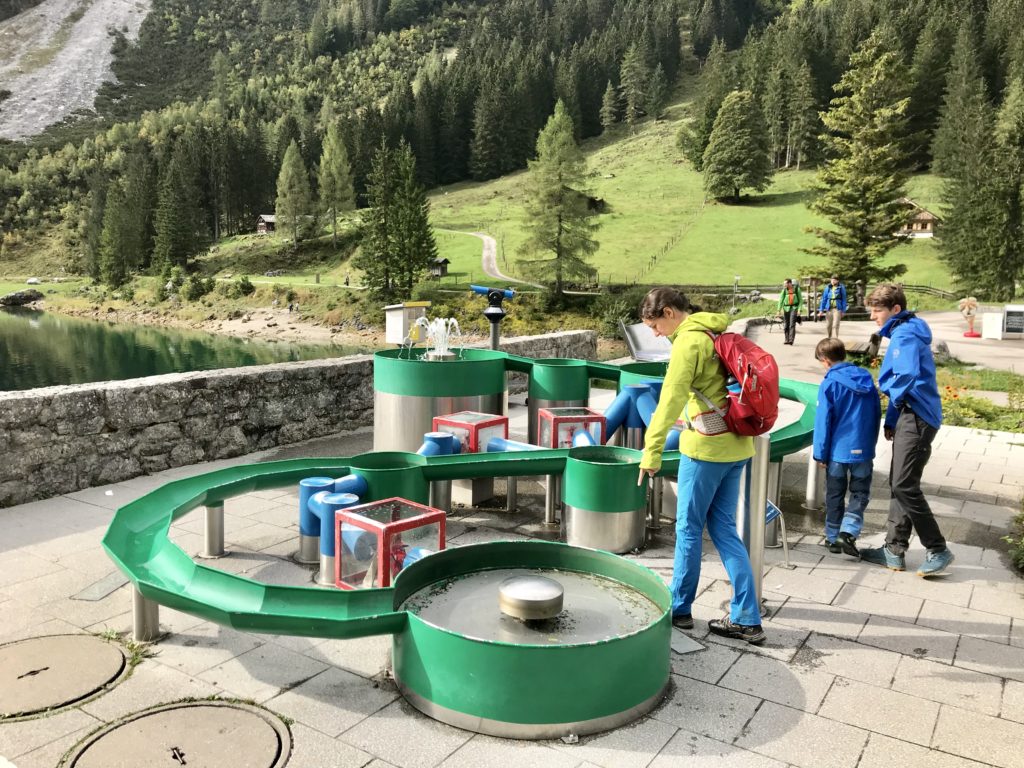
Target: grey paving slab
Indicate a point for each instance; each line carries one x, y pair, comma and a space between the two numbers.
800, 738
263, 672
949, 685
312, 749
691, 750
203, 646
18, 738
989, 740
991, 658
1017, 633
367, 656
1001, 601
86, 613
782, 642
846, 569
878, 603
706, 709
944, 590
333, 701
800, 583
405, 738
822, 619
885, 752
965, 621
910, 639
45, 589
800, 686
148, 685
21, 566
487, 752
1012, 707
708, 665
855, 661
49, 755
899, 715
633, 746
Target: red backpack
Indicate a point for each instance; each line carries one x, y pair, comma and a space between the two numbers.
754, 409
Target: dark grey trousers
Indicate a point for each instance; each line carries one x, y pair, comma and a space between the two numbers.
789, 323
911, 449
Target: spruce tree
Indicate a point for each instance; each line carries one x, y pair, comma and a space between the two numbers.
336, 191
377, 251
413, 237
860, 187
559, 224
115, 240
963, 104
657, 92
776, 111
634, 80
609, 107
928, 74
717, 81
293, 196
486, 149
802, 120
1008, 267
737, 156
179, 225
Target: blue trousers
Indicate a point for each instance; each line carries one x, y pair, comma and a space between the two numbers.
708, 494
840, 516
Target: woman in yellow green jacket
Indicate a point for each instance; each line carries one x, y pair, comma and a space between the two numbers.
710, 467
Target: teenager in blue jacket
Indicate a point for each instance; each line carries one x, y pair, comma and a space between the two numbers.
845, 432
833, 306
912, 420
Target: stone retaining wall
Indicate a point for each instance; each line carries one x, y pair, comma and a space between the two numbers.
57, 440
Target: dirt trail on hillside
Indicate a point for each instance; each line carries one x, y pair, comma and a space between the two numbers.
53, 58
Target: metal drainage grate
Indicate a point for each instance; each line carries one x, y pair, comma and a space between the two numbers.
42, 674
200, 734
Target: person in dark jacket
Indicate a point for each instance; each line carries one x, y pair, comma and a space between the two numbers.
845, 432
789, 308
912, 420
833, 306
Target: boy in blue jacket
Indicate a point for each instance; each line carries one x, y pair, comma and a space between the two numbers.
845, 432
912, 420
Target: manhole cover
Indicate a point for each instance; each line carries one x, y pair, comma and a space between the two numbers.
205, 734
43, 673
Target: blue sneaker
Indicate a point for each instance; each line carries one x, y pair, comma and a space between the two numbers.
882, 556
935, 563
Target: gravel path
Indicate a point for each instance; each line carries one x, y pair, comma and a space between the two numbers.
489, 261
53, 58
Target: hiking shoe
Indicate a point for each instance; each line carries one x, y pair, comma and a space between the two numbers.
683, 621
848, 544
935, 563
882, 556
751, 633
833, 546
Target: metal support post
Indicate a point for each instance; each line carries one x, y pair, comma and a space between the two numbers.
812, 498
551, 500
213, 534
750, 512
511, 493
771, 530
145, 618
654, 504
441, 495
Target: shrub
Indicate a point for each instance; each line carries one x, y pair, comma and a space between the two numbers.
244, 286
195, 287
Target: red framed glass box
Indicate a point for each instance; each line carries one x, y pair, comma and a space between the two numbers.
472, 428
556, 426
374, 541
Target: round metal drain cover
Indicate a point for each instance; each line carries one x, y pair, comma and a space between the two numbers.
203, 734
44, 673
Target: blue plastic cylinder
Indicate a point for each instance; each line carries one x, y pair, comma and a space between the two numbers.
634, 391
324, 504
502, 445
582, 437
645, 405
672, 441
308, 524
412, 554
616, 413
438, 444
358, 542
351, 484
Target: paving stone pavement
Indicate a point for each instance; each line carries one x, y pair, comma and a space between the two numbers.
863, 667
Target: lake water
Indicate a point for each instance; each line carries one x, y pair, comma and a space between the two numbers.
40, 349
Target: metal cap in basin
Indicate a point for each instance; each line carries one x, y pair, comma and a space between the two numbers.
530, 597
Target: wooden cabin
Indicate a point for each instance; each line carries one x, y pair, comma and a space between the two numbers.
921, 223
439, 268
266, 223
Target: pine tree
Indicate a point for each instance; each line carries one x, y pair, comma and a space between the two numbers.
928, 74
336, 191
802, 118
377, 252
180, 229
1008, 267
861, 185
293, 196
559, 224
115, 241
717, 81
962, 105
610, 106
634, 80
413, 237
486, 149
776, 111
657, 92
737, 156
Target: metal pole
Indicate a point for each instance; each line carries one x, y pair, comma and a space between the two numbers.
750, 512
213, 538
495, 335
812, 498
145, 618
551, 501
511, 493
771, 530
441, 495
655, 503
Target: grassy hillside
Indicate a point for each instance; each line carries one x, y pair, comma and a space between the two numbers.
658, 228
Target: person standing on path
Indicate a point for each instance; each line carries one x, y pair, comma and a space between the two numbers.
833, 306
711, 464
845, 432
789, 308
912, 420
